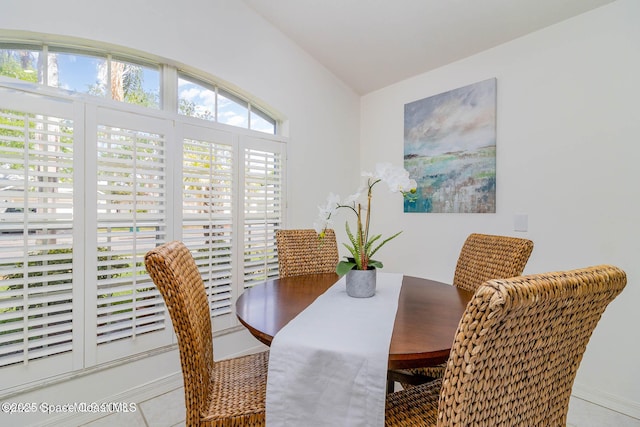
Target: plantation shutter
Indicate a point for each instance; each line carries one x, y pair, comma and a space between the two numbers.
263, 187
131, 219
36, 236
208, 173
86, 191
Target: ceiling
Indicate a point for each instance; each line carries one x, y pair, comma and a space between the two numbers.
370, 44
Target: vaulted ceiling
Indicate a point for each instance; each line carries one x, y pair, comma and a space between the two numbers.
370, 44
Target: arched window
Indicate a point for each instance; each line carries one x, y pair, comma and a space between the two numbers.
89, 185
131, 80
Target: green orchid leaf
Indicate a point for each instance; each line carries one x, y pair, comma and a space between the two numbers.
383, 242
344, 267
352, 239
354, 254
374, 263
369, 244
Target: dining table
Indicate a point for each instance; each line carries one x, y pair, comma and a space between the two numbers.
333, 357
426, 320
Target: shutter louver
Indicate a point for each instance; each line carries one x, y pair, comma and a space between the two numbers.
207, 222
36, 214
131, 218
262, 214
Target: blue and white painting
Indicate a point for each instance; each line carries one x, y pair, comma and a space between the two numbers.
450, 150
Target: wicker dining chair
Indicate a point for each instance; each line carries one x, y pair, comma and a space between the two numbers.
300, 251
223, 393
482, 257
485, 256
516, 352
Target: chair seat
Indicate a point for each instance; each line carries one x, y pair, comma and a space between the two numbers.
238, 390
414, 407
430, 371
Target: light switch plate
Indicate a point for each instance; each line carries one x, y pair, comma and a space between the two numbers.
521, 222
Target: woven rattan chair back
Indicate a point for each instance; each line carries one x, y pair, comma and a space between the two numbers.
519, 345
224, 393
515, 354
300, 251
176, 276
484, 257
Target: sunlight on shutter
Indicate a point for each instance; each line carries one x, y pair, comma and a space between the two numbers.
208, 216
36, 214
131, 221
86, 190
262, 214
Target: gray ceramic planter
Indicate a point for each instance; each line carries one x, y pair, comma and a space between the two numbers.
361, 283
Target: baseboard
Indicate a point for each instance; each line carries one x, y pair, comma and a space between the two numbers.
607, 400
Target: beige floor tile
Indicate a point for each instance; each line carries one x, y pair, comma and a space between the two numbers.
166, 410
586, 414
121, 419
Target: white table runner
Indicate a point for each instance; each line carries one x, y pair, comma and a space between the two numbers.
328, 366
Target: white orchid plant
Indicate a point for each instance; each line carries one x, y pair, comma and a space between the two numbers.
363, 246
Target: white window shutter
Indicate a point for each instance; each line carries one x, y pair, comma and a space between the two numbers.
86, 190
208, 174
263, 187
36, 239
131, 219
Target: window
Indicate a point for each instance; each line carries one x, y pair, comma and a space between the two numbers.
135, 83
76, 72
131, 215
84, 72
261, 121
208, 102
263, 213
208, 208
87, 188
196, 99
131, 80
232, 110
21, 62
36, 245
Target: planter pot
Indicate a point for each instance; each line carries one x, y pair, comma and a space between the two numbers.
361, 283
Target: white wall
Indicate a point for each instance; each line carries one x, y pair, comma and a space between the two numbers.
567, 156
227, 40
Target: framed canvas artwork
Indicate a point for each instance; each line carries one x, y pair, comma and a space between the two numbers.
450, 150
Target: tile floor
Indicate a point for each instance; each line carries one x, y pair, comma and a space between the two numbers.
167, 410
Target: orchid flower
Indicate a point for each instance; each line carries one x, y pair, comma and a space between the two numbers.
362, 246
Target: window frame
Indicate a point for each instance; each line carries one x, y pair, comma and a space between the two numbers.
86, 353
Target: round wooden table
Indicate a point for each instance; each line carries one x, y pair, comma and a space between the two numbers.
426, 321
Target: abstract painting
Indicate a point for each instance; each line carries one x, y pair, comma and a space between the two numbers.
450, 150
